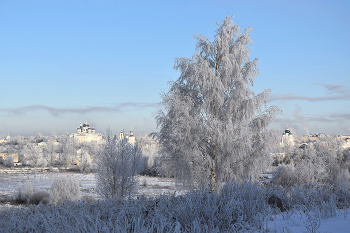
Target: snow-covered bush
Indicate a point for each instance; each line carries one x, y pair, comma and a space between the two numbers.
118, 165
237, 207
313, 168
42, 162
88, 198
24, 192
65, 189
344, 177
284, 175
40, 197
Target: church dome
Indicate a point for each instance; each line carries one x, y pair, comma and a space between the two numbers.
287, 131
86, 124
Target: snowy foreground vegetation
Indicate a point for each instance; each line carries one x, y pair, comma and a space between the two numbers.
214, 140
239, 206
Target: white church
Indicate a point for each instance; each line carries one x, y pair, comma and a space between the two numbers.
287, 138
86, 134
128, 138
5, 139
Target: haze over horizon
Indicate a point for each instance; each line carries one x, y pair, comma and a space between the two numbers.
66, 62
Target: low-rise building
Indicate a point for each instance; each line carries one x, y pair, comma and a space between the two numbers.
6, 155
345, 141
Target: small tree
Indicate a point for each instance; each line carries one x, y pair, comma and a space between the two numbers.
67, 151
117, 166
49, 151
89, 147
85, 164
24, 192
214, 128
32, 154
150, 154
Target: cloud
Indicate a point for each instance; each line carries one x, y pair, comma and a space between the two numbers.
330, 87
304, 119
82, 110
344, 116
336, 92
338, 120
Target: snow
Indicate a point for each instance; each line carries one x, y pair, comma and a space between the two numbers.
12, 180
298, 222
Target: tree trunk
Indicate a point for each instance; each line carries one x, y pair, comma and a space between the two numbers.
212, 185
213, 170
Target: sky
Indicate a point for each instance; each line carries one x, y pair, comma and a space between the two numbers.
64, 62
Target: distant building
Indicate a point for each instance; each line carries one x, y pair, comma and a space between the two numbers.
128, 138
287, 138
311, 138
55, 143
345, 141
86, 134
6, 155
5, 139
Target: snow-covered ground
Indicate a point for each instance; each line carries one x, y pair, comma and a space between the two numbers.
308, 222
12, 180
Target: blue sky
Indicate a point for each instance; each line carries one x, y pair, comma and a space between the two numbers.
65, 62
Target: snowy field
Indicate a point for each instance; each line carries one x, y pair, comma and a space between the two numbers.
12, 180
308, 222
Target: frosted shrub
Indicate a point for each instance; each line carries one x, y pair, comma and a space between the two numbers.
65, 189
288, 175
117, 167
311, 170
40, 197
237, 207
88, 198
240, 206
24, 192
344, 177
42, 162
284, 175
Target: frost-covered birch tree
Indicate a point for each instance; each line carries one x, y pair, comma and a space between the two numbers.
32, 155
49, 151
214, 127
150, 155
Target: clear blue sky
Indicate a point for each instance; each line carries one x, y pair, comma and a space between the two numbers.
63, 62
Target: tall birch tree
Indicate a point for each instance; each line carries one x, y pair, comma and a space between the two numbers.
214, 128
